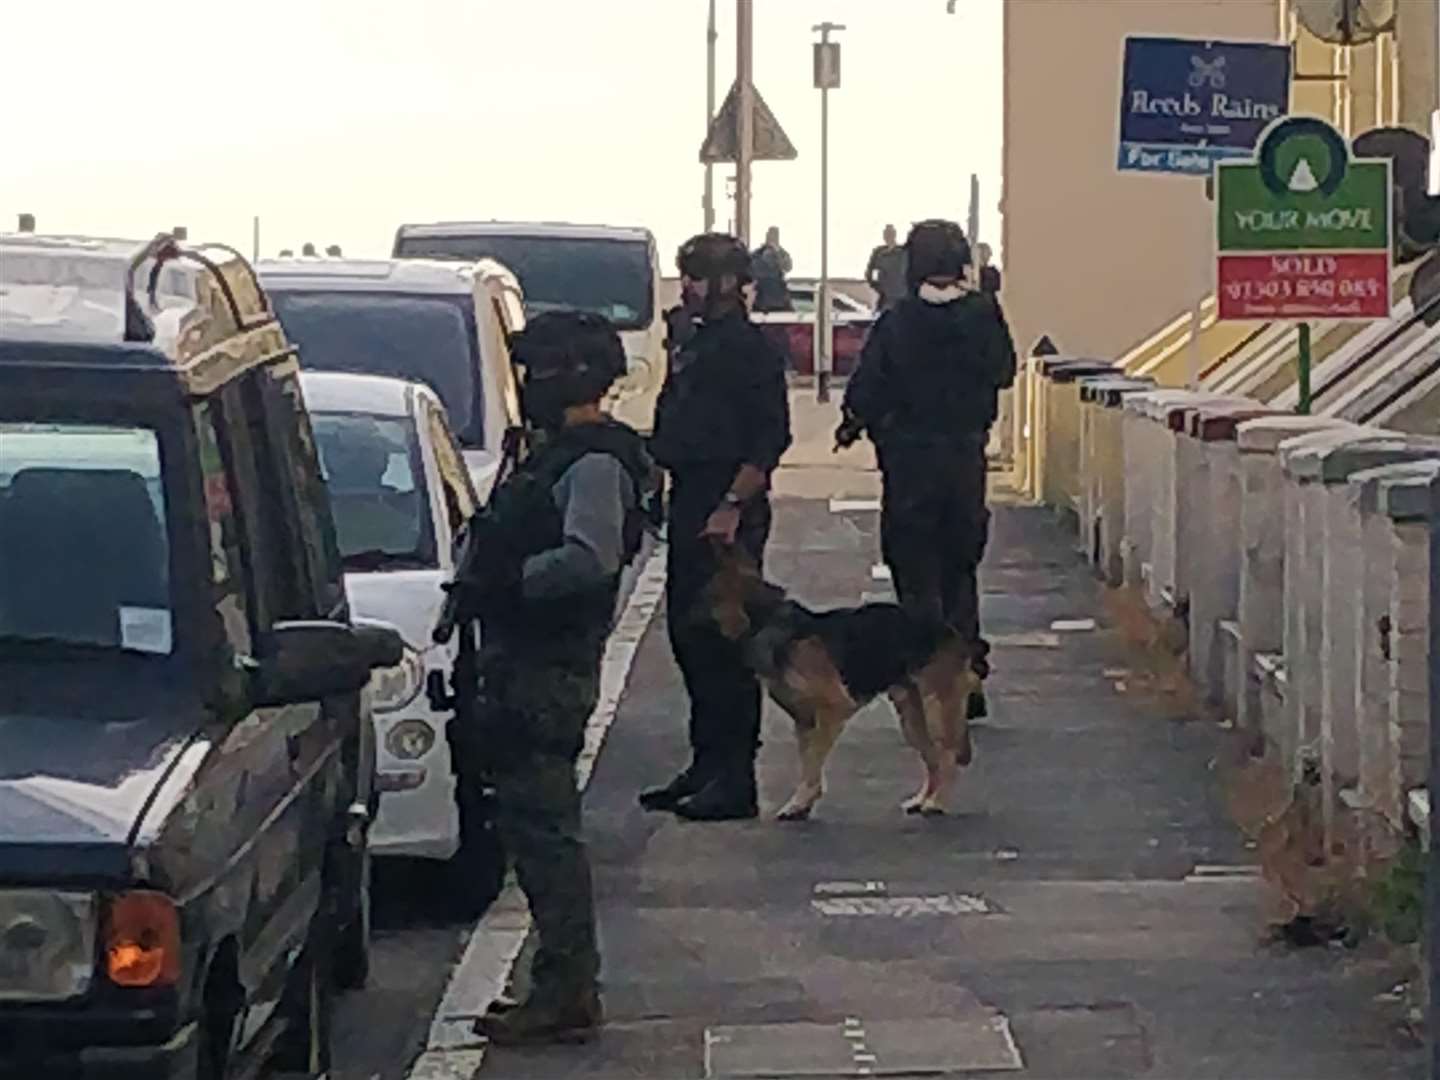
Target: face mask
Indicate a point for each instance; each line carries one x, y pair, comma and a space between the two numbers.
934, 294
544, 401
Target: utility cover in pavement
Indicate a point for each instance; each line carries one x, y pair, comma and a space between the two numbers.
979, 1042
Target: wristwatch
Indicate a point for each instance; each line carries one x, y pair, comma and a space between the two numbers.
731, 499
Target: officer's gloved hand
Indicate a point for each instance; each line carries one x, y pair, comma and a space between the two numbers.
848, 433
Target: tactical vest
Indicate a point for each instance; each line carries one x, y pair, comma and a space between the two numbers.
527, 522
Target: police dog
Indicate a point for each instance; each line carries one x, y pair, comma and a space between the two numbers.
822, 667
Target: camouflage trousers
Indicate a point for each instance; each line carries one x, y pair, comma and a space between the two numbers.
533, 718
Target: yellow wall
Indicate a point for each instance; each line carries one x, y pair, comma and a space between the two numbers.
1094, 257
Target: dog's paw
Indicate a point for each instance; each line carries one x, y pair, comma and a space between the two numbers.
794, 812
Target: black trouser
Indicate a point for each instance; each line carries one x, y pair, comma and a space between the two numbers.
934, 525
725, 695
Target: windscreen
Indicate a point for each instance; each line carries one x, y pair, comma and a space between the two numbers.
613, 278
428, 339
376, 481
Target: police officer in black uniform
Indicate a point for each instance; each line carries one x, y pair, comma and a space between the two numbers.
927, 392
721, 426
541, 572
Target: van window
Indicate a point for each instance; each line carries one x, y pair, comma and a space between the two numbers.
614, 278
427, 339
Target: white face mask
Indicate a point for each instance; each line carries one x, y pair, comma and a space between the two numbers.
934, 294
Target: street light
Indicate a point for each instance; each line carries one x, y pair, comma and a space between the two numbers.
827, 78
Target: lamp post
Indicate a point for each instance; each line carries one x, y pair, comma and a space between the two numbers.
710, 38
827, 78
745, 121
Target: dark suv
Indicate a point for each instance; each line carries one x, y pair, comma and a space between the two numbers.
186, 758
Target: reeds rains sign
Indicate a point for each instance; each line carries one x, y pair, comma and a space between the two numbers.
1185, 105
1303, 230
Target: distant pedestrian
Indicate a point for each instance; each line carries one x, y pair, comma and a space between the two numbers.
770, 265
988, 277
885, 273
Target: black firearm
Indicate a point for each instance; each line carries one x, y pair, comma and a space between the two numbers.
486, 560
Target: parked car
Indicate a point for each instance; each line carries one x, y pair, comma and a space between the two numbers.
442, 324
400, 495
793, 332
186, 758
611, 271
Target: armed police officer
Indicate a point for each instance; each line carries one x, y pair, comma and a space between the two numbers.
541, 572
722, 424
926, 391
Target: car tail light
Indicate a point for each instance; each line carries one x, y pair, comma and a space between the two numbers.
142, 940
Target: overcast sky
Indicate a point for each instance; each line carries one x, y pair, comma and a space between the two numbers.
335, 120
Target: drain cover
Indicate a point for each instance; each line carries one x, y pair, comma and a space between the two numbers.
981, 1042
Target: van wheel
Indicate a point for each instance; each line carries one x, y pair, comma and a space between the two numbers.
308, 1012
352, 950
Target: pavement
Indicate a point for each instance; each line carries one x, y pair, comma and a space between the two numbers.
1085, 911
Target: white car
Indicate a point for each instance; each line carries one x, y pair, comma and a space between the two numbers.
399, 491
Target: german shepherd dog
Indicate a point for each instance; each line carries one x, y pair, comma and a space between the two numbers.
822, 667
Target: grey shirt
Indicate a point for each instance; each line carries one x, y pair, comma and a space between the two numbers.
886, 272
594, 496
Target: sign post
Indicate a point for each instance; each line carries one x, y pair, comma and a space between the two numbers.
1187, 104
1302, 233
827, 78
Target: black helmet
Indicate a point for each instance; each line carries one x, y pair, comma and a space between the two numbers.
936, 248
570, 358
713, 255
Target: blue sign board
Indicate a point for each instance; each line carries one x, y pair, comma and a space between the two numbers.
1185, 105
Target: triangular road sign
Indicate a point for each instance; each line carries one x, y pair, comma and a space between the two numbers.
722, 142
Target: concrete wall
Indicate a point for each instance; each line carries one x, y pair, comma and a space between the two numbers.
1094, 257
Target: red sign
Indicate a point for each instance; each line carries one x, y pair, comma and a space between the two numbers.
1305, 285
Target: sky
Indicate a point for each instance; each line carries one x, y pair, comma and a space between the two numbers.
336, 120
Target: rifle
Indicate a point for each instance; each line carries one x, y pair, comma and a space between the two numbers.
461, 591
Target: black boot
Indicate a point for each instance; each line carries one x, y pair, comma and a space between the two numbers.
668, 797
574, 1021
730, 796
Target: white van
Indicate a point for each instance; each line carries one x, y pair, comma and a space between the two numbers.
437, 323
610, 271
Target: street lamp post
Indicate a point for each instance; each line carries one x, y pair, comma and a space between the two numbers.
827, 78
745, 120
710, 38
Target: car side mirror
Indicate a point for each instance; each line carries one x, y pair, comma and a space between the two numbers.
309, 660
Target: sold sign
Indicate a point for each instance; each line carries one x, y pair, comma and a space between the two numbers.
1303, 229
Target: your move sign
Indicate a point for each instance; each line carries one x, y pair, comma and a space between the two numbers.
1303, 229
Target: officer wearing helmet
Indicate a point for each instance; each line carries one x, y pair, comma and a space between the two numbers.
722, 424
926, 391
541, 573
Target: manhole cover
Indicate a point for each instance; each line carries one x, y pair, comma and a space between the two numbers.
977, 1043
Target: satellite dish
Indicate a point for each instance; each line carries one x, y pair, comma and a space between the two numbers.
1346, 22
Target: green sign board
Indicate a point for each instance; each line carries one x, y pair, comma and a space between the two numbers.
1303, 229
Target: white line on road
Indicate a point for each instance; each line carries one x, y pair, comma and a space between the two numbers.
854, 506
453, 1051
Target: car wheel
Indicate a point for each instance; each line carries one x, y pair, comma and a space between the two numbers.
307, 1010
352, 949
